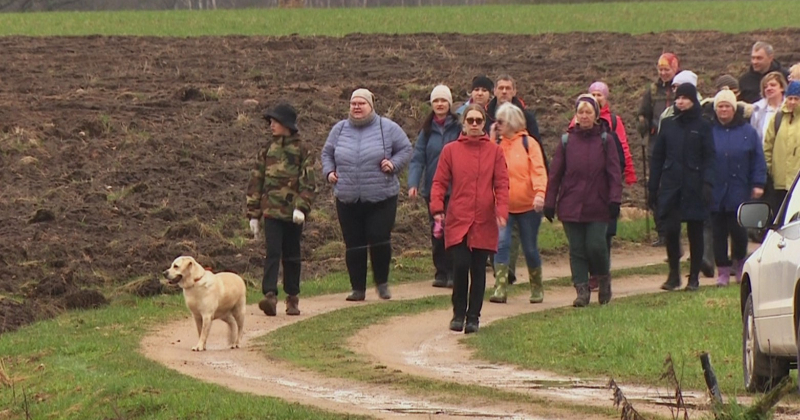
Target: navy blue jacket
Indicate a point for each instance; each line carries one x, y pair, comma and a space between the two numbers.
426, 153
739, 165
682, 162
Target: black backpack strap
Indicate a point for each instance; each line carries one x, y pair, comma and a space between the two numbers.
777, 121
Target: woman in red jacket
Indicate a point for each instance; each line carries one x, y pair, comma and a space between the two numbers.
474, 168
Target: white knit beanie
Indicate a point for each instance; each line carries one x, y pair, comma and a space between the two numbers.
725, 95
442, 92
685, 76
364, 94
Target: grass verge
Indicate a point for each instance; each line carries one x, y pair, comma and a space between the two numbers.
628, 17
84, 365
628, 340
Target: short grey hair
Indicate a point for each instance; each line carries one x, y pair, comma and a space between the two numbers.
512, 116
506, 78
761, 45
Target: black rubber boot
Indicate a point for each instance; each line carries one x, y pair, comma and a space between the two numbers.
584, 295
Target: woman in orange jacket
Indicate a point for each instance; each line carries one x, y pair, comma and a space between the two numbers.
527, 180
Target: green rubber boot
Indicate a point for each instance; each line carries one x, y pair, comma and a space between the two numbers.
500, 283
537, 288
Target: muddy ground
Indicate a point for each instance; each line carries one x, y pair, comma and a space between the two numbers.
120, 153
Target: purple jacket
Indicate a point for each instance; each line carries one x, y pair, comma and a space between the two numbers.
584, 177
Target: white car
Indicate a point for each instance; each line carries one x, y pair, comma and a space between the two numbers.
770, 294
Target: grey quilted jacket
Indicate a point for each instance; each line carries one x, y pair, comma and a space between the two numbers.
355, 154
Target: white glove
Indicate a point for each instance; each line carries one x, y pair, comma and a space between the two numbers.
298, 217
255, 227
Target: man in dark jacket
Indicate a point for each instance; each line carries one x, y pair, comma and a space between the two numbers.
681, 181
762, 61
505, 90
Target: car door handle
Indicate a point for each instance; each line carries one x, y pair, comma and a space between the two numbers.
782, 244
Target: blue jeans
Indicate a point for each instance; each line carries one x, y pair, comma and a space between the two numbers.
528, 224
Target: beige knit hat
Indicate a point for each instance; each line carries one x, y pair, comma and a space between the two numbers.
364, 94
442, 92
725, 95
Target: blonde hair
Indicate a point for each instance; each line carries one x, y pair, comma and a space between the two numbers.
794, 72
776, 76
512, 115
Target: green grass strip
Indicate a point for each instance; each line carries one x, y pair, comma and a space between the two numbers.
625, 17
84, 365
629, 339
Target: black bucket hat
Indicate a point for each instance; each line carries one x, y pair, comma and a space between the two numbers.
284, 114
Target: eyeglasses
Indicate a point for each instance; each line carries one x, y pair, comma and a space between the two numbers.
474, 121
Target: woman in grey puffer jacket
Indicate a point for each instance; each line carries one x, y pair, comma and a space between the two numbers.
361, 158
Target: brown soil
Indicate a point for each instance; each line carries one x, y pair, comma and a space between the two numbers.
121, 153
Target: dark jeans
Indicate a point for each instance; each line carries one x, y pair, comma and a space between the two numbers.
367, 226
694, 229
441, 258
588, 250
528, 224
283, 246
724, 224
468, 263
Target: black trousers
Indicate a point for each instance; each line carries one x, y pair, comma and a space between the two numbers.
441, 258
694, 229
724, 224
468, 296
776, 200
283, 246
367, 227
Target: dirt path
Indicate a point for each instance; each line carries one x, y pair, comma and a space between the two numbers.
247, 370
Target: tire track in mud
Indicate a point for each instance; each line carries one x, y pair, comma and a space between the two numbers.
247, 370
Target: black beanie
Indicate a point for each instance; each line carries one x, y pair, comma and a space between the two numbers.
482, 81
687, 90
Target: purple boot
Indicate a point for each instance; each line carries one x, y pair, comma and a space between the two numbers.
724, 276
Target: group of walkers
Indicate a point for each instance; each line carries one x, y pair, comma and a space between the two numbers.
484, 175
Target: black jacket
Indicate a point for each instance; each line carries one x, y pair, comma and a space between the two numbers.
750, 82
682, 163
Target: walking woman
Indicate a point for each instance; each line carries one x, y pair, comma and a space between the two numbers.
362, 159
585, 188
740, 174
614, 125
440, 127
474, 169
682, 180
527, 182
781, 142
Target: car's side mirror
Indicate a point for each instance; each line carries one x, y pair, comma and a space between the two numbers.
755, 215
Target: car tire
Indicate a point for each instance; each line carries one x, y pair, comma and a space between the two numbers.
761, 372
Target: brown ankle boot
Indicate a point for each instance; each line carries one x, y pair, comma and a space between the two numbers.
269, 304
292, 305
584, 294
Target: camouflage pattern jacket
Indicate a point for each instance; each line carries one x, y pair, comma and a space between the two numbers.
282, 180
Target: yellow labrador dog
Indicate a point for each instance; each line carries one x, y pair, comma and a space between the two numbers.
210, 296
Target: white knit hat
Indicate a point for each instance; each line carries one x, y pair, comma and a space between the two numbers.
442, 92
725, 95
364, 94
685, 76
